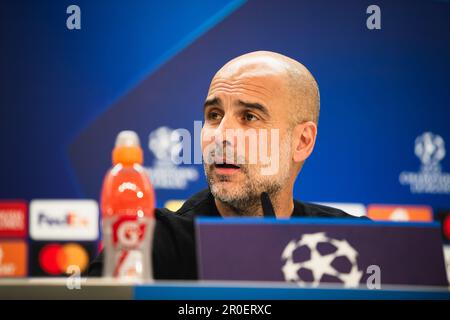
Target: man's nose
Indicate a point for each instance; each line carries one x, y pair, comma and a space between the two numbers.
224, 132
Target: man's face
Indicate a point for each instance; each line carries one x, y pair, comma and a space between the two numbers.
246, 131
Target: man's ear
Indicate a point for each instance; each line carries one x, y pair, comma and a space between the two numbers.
304, 138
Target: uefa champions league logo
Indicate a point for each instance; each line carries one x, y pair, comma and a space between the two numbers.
430, 149
317, 258
165, 144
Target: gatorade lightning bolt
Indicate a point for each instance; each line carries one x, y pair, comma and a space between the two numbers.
127, 204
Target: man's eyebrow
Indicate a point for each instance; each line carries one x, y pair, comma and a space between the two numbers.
254, 105
250, 105
212, 102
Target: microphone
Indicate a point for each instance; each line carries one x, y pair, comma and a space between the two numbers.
267, 205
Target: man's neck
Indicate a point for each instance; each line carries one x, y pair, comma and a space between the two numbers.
283, 204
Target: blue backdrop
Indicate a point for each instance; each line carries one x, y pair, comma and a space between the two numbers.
143, 65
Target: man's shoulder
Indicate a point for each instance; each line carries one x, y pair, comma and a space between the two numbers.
169, 217
201, 203
174, 226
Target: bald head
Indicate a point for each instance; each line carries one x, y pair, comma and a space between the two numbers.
271, 102
303, 101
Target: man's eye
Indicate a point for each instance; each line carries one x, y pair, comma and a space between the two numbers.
213, 115
250, 117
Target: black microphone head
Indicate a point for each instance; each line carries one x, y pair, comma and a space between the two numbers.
267, 206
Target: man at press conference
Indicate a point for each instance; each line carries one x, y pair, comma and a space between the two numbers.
252, 96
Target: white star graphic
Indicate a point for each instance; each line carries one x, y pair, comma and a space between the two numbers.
344, 249
320, 265
290, 270
311, 240
288, 251
351, 280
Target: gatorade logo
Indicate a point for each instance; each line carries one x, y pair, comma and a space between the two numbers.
13, 259
128, 232
55, 259
64, 220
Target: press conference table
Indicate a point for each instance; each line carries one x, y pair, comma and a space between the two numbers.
97, 288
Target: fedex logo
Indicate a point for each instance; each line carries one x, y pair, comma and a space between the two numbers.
64, 220
71, 219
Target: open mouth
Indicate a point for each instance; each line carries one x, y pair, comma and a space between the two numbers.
226, 166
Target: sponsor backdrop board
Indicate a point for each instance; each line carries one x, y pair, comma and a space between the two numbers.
383, 136
310, 252
383, 132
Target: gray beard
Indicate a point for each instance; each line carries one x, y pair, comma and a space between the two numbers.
243, 207
249, 201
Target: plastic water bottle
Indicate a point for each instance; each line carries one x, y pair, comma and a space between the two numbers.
127, 205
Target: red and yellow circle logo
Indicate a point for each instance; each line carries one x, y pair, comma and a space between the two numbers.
55, 258
446, 227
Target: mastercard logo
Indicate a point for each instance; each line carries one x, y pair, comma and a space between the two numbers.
55, 259
446, 227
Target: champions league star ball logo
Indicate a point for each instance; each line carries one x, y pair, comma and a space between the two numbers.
317, 258
165, 144
430, 149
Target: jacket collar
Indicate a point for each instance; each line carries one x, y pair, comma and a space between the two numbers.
202, 204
